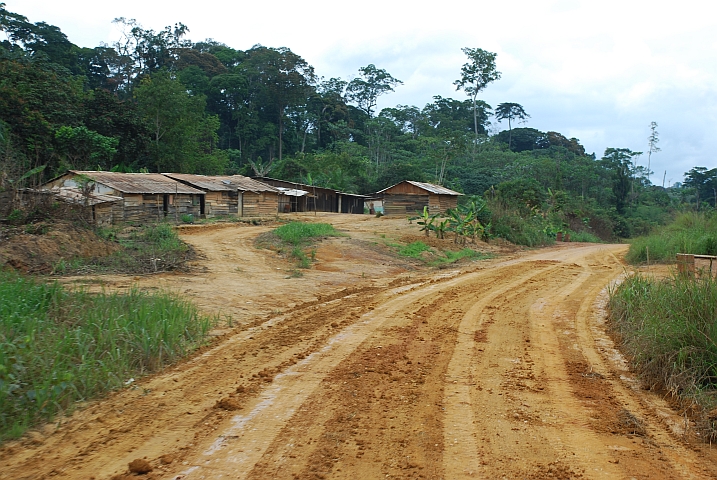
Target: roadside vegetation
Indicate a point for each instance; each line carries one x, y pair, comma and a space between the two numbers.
690, 232
297, 239
145, 249
60, 346
513, 214
421, 251
668, 328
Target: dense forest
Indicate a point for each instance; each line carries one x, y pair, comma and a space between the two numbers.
156, 101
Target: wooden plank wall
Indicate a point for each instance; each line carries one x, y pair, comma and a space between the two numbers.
404, 204
221, 203
150, 208
259, 204
447, 202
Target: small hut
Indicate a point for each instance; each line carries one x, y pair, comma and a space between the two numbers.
145, 197
319, 199
409, 197
232, 194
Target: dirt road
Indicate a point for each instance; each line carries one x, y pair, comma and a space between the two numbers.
500, 369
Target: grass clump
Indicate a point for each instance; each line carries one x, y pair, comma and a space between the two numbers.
669, 329
59, 346
414, 249
691, 232
293, 239
300, 233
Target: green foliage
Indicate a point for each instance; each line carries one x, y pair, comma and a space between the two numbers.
690, 232
669, 330
59, 346
85, 149
530, 231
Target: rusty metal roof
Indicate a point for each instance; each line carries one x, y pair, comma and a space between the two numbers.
74, 195
304, 186
429, 187
147, 183
225, 183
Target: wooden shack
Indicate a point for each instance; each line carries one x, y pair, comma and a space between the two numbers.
319, 199
409, 197
145, 197
232, 195
98, 209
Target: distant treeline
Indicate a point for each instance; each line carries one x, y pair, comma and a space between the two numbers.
156, 101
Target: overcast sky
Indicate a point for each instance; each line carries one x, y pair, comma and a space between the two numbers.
598, 71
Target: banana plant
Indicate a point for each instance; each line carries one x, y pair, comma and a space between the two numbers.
426, 221
441, 228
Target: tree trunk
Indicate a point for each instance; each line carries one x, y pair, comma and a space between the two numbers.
510, 136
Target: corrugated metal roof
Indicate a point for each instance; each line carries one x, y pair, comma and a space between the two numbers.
293, 192
429, 187
74, 195
147, 183
222, 183
309, 188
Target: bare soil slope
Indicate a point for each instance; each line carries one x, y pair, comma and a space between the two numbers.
372, 367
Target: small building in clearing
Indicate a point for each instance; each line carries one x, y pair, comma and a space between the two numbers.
232, 194
145, 197
300, 197
409, 197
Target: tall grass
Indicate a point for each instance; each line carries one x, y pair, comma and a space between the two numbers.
59, 346
691, 232
669, 329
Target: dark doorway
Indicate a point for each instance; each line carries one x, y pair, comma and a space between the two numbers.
165, 204
201, 204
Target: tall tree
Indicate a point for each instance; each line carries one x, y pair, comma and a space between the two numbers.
652, 147
620, 162
476, 74
183, 136
287, 81
365, 89
511, 112
704, 182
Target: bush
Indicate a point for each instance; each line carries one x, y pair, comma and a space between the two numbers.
531, 232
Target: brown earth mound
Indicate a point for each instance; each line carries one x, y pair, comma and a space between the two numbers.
40, 247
